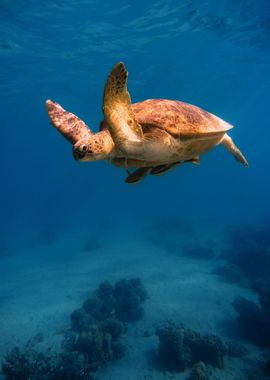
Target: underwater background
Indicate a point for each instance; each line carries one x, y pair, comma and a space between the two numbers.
187, 250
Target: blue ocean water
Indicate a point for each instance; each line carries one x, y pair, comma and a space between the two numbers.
66, 226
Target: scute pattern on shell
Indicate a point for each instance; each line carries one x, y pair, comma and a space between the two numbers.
178, 118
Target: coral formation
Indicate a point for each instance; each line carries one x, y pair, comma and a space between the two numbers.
248, 249
129, 295
112, 326
247, 262
180, 348
211, 350
175, 347
29, 364
92, 341
80, 320
124, 300
199, 372
96, 346
254, 321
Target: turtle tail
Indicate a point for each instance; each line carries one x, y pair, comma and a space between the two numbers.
69, 125
229, 144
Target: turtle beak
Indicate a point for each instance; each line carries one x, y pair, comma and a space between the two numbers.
80, 156
77, 155
68, 124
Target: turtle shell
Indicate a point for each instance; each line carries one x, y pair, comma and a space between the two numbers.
178, 118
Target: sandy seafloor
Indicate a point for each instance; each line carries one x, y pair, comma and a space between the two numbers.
45, 284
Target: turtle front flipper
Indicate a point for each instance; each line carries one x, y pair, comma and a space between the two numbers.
122, 124
137, 176
68, 124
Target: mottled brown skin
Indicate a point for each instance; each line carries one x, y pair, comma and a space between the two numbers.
153, 136
68, 124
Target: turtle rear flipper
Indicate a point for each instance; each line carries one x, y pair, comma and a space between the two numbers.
122, 124
229, 144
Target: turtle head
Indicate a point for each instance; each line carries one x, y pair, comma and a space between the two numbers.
96, 147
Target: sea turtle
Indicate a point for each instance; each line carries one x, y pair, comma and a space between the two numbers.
151, 136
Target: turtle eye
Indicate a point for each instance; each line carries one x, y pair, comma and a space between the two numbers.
84, 148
